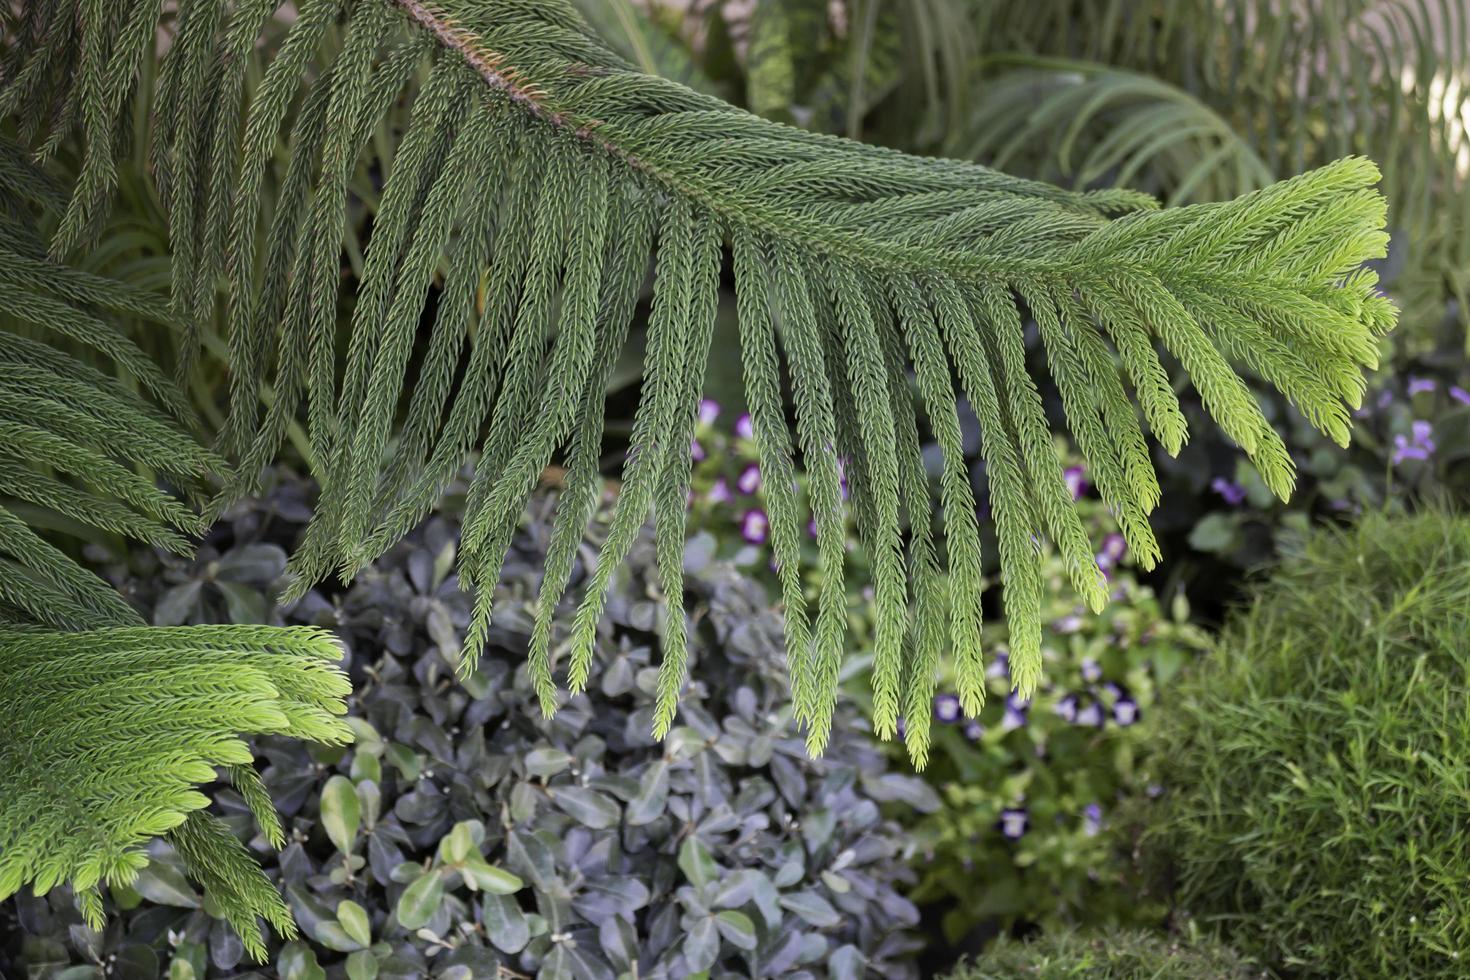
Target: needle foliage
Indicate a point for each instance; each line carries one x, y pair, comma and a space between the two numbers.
542, 178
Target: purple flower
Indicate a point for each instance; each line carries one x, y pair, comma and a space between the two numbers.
1385, 398
709, 410
1421, 385
749, 480
1155, 791
719, 493
1015, 702
1091, 819
1076, 481
696, 451
1232, 492
1013, 824
1460, 394
1013, 720
947, 708
999, 667
1114, 547
1113, 689
1067, 708
1090, 716
743, 428
1419, 444
1091, 670
1068, 624
974, 731
811, 527
754, 526
1125, 712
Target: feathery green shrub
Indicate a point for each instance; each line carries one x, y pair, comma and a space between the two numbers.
1318, 799
1113, 955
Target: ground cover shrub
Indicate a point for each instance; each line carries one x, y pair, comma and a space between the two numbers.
1318, 798
464, 833
1111, 955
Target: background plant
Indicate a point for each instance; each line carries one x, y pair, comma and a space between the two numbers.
1308, 762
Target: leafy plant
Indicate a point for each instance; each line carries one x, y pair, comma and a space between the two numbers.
1116, 955
1314, 806
464, 832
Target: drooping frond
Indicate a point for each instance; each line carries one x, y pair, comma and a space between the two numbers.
539, 182
108, 733
73, 438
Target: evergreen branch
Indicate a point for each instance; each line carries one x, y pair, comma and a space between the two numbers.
850, 260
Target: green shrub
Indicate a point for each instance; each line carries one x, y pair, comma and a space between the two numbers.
1321, 798
465, 833
1122, 955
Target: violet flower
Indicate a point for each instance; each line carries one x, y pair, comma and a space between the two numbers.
1013, 824
743, 428
719, 493
1067, 708
947, 708
755, 526
1091, 819
1091, 670
1076, 481
1460, 394
749, 480
1232, 493
1090, 716
709, 410
974, 731
1114, 547
1126, 712
1421, 385
1419, 444
696, 451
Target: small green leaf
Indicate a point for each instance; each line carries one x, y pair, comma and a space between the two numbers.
340, 812
737, 928
420, 900
488, 878
362, 965
587, 806
544, 763
696, 862
460, 843
355, 922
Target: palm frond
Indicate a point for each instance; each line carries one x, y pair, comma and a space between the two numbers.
542, 176
1207, 99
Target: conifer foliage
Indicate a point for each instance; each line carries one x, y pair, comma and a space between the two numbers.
541, 177
110, 726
